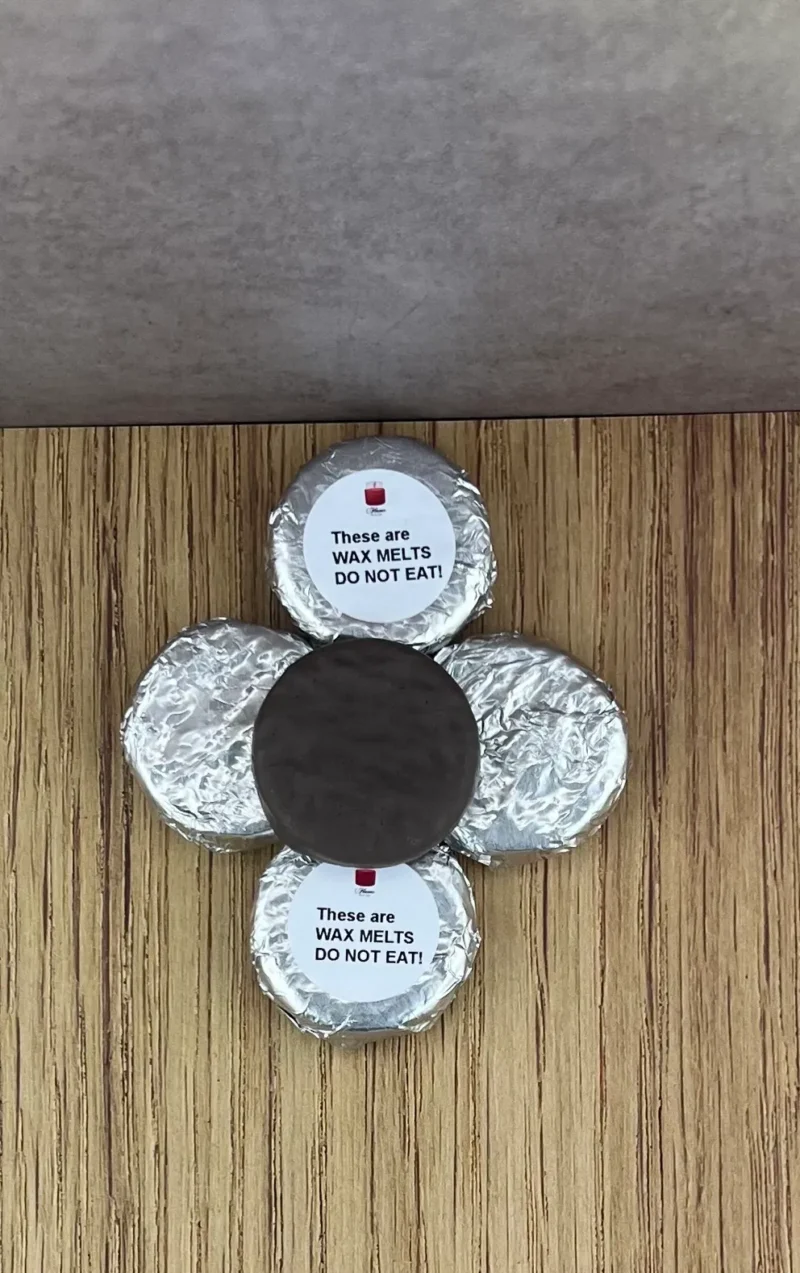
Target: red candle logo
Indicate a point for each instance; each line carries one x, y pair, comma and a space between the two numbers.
375, 497
365, 879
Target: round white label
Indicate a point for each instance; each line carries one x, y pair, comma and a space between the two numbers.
379, 545
363, 935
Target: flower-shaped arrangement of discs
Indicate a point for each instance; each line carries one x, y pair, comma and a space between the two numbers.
369, 745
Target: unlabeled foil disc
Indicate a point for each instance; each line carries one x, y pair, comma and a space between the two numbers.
554, 748
187, 734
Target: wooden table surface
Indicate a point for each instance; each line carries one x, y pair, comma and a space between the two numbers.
617, 1089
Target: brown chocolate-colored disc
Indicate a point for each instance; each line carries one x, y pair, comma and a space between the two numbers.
365, 754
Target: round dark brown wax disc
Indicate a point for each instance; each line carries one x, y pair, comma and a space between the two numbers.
365, 754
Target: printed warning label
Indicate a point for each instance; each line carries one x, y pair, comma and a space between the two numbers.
379, 545
361, 944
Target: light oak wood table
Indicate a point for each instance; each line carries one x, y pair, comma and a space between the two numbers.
618, 1088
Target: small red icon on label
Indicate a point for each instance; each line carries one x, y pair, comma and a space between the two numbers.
365, 879
374, 497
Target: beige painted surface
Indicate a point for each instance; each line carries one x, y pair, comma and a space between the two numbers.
300, 210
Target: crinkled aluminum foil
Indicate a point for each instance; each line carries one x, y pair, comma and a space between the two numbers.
554, 748
469, 589
316, 1012
187, 734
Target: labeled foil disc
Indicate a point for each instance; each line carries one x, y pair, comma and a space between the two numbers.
187, 734
382, 537
354, 955
365, 754
554, 748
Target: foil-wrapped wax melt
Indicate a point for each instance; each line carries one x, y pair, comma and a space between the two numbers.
356, 955
187, 733
554, 748
382, 537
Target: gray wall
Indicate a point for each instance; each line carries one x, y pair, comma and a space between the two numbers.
310, 209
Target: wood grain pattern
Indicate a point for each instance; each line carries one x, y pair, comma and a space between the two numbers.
618, 1090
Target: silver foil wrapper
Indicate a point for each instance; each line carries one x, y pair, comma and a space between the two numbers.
554, 748
469, 587
187, 733
322, 1012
